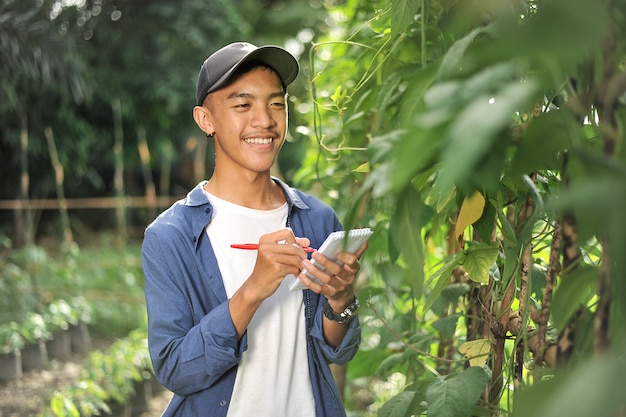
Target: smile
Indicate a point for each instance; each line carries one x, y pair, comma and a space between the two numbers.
259, 141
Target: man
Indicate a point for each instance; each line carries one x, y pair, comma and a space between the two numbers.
226, 334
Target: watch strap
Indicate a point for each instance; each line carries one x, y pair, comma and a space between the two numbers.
345, 316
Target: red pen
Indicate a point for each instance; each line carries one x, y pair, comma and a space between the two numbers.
255, 246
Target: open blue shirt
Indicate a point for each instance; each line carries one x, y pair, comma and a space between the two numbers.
192, 340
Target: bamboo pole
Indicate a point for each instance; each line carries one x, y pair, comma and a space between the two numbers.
118, 152
144, 155
166, 169
59, 179
24, 235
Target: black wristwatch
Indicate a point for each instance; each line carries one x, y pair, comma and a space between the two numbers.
345, 316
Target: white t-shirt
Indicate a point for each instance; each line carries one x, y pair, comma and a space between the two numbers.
273, 374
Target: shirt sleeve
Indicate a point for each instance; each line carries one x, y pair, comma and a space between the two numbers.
348, 347
192, 339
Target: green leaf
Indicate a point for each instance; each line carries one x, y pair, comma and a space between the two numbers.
402, 14
576, 289
452, 60
510, 237
484, 226
417, 85
387, 91
440, 279
595, 198
473, 133
453, 291
456, 394
446, 326
479, 260
366, 363
405, 229
594, 388
394, 276
399, 406
389, 363
511, 268
441, 195
542, 143
401, 154
338, 96
561, 34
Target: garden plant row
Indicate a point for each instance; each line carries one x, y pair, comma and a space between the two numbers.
59, 330
117, 382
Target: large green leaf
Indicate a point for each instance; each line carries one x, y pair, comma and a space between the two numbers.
402, 14
576, 289
417, 85
472, 134
594, 388
437, 282
368, 362
446, 326
560, 34
451, 63
456, 394
399, 406
543, 142
595, 198
390, 363
485, 225
405, 229
479, 260
402, 153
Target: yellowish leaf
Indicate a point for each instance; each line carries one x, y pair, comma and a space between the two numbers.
471, 210
476, 351
365, 167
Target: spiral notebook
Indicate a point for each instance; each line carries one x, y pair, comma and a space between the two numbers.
334, 244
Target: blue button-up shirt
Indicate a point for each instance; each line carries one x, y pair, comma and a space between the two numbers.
192, 340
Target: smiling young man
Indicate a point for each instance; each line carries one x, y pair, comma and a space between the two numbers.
226, 334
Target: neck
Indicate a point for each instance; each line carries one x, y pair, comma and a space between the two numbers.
259, 191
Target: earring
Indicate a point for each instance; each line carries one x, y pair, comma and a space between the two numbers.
209, 135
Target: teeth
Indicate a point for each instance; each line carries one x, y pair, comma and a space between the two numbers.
258, 141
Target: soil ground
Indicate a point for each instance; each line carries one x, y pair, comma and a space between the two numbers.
31, 395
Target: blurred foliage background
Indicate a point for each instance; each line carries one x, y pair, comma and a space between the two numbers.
481, 140
92, 70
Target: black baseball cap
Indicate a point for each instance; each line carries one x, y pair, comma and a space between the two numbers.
218, 68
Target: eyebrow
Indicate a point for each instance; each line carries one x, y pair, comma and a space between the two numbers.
249, 95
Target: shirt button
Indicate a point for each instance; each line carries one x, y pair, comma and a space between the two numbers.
223, 403
195, 239
206, 210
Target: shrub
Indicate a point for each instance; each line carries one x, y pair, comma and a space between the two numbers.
34, 328
11, 340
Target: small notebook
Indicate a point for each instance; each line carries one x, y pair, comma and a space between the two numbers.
336, 243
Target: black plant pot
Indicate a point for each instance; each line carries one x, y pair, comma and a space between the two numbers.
80, 341
10, 366
59, 346
35, 356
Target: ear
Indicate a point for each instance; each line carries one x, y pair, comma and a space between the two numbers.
203, 120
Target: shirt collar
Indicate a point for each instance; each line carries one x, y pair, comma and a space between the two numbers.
196, 197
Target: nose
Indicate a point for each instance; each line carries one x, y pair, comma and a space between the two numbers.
262, 117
